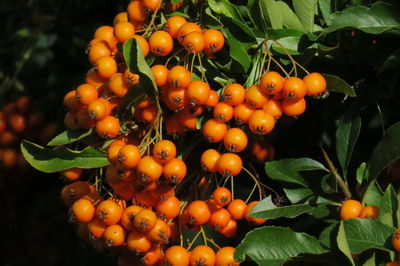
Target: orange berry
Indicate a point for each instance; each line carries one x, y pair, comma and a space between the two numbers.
316, 84
350, 209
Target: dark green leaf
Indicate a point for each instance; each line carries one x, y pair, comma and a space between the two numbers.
240, 39
259, 19
379, 18
273, 245
346, 137
70, 136
327, 234
137, 64
337, 84
207, 19
266, 209
305, 10
288, 170
50, 161
364, 234
392, 62
386, 152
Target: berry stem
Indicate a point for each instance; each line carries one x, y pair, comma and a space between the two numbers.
193, 240
203, 233
287, 53
251, 193
151, 24
260, 194
232, 188
339, 179
172, 56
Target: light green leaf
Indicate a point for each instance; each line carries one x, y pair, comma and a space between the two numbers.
226, 8
342, 243
269, 7
305, 10
388, 207
326, 10
289, 18
362, 173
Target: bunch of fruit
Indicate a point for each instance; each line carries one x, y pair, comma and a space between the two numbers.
142, 205
19, 120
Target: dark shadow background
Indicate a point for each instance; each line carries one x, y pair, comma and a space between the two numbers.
42, 54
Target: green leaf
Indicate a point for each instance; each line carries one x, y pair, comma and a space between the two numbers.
272, 245
70, 136
379, 18
389, 205
305, 10
370, 261
240, 39
326, 235
288, 170
346, 137
298, 195
334, 83
176, 1
326, 10
342, 243
373, 194
291, 44
225, 8
269, 7
386, 152
258, 17
364, 234
137, 64
266, 209
50, 161
289, 18
207, 18
392, 62
362, 173
282, 33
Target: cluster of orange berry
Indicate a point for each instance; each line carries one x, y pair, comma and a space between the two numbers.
153, 221
145, 173
354, 209
18, 120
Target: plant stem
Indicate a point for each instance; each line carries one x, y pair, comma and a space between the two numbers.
339, 179
204, 235
255, 181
